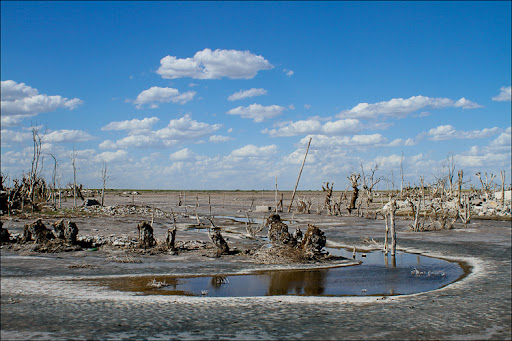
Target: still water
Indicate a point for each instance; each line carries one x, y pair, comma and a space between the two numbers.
378, 274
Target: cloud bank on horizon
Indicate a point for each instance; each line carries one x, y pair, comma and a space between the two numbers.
253, 109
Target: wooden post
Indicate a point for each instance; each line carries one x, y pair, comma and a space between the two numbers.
298, 178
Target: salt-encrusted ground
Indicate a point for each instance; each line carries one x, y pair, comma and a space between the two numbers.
39, 302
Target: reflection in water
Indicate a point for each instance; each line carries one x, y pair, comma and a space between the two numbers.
299, 282
217, 281
376, 275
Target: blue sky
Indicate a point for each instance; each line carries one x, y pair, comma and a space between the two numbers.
225, 95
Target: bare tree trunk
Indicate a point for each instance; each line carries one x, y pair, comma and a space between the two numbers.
393, 230
298, 178
104, 182
502, 173
73, 162
386, 243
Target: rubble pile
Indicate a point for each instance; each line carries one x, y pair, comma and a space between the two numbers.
123, 210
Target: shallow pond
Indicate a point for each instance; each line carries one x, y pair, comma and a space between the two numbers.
378, 274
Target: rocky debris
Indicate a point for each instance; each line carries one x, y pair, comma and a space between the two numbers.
219, 242
146, 238
278, 231
492, 208
91, 202
5, 237
124, 210
37, 232
314, 240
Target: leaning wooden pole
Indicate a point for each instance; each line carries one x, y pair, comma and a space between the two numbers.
298, 178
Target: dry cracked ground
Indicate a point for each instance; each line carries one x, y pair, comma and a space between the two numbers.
54, 295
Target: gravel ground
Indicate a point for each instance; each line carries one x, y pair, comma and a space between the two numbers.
40, 301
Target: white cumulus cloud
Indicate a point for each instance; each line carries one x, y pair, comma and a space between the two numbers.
208, 64
219, 138
254, 151
155, 95
66, 135
133, 126
399, 107
314, 126
111, 156
505, 94
20, 100
447, 132
247, 94
181, 155
328, 142
257, 112
141, 135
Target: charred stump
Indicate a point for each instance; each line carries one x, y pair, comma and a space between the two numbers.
37, 232
70, 232
170, 239
297, 234
314, 240
219, 242
278, 231
5, 237
146, 238
58, 229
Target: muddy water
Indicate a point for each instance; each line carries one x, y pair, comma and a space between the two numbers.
377, 275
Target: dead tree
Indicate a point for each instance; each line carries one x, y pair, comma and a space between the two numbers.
389, 212
465, 211
37, 140
369, 182
502, 174
487, 184
170, 238
353, 178
104, 179
250, 227
328, 197
73, 163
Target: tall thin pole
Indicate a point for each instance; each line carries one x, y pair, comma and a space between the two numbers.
275, 198
298, 178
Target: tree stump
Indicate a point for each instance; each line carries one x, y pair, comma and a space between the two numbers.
58, 229
314, 240
146, 238
278, 231
170, 239
219, 242
36, 231
5, 237
71, 232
